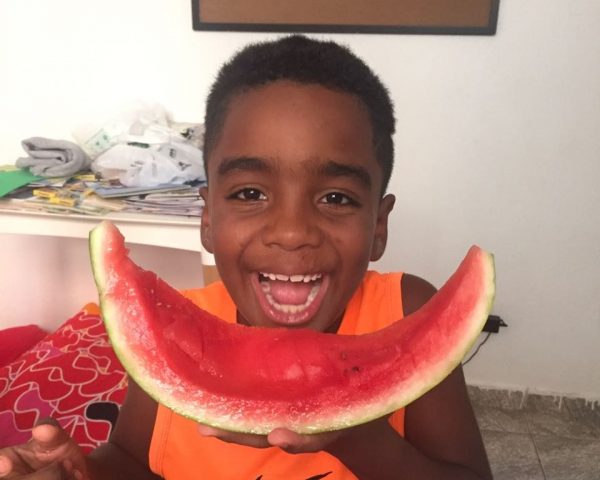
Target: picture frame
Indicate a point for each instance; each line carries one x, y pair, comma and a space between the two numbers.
434, 17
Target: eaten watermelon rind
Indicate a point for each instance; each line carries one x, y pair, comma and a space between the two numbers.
101, 240
138, 348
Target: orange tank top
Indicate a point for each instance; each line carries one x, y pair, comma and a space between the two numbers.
179, 452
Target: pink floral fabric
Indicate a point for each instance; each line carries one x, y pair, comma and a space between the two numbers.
72, 375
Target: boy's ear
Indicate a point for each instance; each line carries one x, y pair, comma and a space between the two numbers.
205, 231
381, 227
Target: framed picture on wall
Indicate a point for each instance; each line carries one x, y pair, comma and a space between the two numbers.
443, 17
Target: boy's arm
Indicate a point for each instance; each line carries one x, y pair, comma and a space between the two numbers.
442, 435
375, 451
125, 456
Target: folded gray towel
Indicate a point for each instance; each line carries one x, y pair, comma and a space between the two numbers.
53, 158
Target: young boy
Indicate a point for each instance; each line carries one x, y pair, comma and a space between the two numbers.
298, 152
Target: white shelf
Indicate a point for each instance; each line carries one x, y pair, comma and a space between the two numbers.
157, 230
75, 285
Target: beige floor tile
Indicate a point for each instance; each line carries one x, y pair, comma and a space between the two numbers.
512, 456
501, 419
568, 458
548, 416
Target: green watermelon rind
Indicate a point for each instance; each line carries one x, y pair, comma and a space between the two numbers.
109, 310
343, 418
402, 397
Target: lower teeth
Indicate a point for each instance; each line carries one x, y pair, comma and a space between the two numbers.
286, 308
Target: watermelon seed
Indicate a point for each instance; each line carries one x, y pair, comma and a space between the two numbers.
354, 369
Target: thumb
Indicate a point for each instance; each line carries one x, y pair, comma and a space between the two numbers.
51, 443
48, 437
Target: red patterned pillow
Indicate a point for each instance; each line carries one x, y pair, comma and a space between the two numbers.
72, 375
16, 340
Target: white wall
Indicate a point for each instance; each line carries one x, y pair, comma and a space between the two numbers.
45, 280
497, 145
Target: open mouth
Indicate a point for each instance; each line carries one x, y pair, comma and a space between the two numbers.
290, 299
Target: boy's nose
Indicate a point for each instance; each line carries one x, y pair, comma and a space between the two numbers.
291, 227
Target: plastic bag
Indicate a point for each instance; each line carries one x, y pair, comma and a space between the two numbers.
140, 147
138, 166
139, 122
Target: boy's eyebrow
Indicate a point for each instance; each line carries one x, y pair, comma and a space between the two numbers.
327, 169
242, 163
335, 169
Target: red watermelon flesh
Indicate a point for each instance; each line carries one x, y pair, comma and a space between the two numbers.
254, 379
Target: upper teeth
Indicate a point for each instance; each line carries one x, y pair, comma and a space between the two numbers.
292, 278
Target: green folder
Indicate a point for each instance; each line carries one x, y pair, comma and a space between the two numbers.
12, 178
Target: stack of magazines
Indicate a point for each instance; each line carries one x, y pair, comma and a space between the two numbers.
180, 202
85, 194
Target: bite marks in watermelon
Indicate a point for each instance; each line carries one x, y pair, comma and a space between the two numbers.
253, 379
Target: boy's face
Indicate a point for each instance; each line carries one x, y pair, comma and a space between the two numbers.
293, 208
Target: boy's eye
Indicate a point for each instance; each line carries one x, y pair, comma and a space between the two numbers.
249, 194
337, 198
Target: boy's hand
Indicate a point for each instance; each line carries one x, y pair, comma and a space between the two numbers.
50, 454
283, 438
290, 441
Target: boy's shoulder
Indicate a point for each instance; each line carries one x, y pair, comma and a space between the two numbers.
416, 291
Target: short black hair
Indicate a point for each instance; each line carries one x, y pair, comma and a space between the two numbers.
304, 60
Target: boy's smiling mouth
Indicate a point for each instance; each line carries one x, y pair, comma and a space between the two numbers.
290, 300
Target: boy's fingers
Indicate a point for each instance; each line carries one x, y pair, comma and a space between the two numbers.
8, 471
293, 442
40, 458
250, 440
5, 466
284, 439
51, 472
72, 471
11, 466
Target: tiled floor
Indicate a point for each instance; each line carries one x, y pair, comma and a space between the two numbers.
534, 437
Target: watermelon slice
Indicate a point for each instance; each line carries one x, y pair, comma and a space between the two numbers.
253, 379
